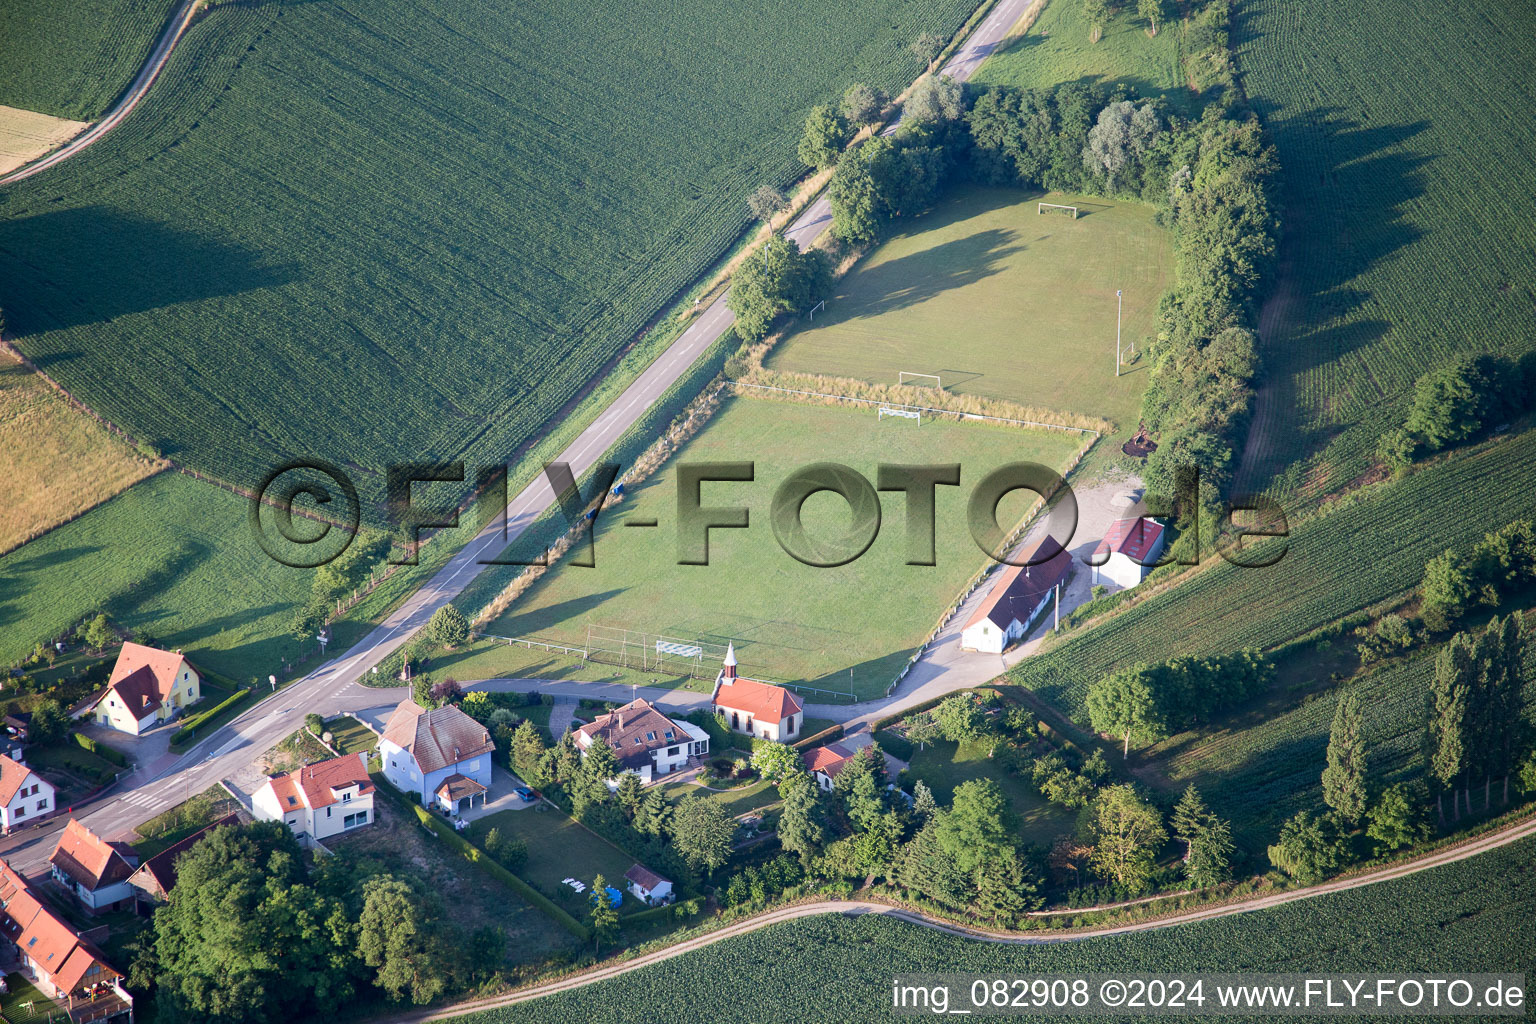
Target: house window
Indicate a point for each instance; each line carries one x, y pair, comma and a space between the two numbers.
21, 812
353, 820
789, 726
42, 805
672, 751
735, 720
345, 797
327, 812
474, 765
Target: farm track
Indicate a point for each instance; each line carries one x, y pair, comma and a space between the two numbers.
177, 27
1482, 844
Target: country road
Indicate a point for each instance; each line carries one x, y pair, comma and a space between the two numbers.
1482, 844
334, 685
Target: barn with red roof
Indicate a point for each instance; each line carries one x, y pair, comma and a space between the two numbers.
1128, 551
1018, 596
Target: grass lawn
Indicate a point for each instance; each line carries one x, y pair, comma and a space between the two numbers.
23, 991
559, 847
848, 628
56, 461
759, 796
171, 826
72, 60
489, 659
1000, 301
944, 765
75, 770
472, 898
1056, 49
349, 736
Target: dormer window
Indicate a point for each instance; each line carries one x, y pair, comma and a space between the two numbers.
650, 737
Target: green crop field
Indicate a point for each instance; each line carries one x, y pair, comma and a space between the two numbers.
1056, 49
1401, 151
1000, 301
169, 555
944, 765
389, 231
73, 59
1336, 564
849, 628
1473, 916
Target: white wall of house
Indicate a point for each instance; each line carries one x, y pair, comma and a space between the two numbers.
342, 815
657, 895
111, 713
33, 800
401, 769
94, 899
1123, 569
785, 731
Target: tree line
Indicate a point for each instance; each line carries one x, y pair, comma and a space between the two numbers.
1152, 702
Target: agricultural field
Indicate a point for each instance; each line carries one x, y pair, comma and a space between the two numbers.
1056, 49
73, 60
25, 135
848, 628
1401, 150
56, 461
1472, 916
170, 555
411, 231
1000, 301
1336, 563
944, 765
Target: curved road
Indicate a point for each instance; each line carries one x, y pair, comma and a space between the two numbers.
180, 19
1481, 844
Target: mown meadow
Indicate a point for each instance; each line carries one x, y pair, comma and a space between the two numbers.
1403, 141
1473, 916
379, 232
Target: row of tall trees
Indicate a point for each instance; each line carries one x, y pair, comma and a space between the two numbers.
1503, 562
1477, 729
1152, 702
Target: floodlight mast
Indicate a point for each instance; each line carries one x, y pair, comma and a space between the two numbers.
1119, 305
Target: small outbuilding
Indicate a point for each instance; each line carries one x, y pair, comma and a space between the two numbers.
648, 887
1128, 551
1019, 595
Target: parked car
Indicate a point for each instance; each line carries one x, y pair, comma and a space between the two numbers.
525, 794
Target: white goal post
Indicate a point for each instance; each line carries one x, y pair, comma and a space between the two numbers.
906, 414
1042, 207
901, 378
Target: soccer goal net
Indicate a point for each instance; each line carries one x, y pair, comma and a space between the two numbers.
921, 379
1057, 208
900, 413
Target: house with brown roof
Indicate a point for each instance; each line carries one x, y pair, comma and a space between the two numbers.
648, 887
319, 800
147, 686
644, 740
753, 707
55, 958
1129, 551
1018, 596
156, 877
25, 796
92, 870
824, 763
441, 755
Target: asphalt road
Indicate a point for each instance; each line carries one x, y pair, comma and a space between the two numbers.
334, 685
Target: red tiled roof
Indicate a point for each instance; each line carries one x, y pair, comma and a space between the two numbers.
763, 701
436, 738
87, 859
1020, 588
634, 730
142, 678
1134, 538
315, 785
13, 775
43, 938
828, 760
644, 877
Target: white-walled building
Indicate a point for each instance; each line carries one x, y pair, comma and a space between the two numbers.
319, 800
644, 740
441, 756
1128, 551
648, 887
1019, 595
25, 795
756, 708
147, 686
92, 870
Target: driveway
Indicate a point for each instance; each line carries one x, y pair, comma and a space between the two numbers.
502, 797
149, 752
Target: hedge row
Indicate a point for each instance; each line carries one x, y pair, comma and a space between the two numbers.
101, 750
197, 721
815, 739
682, 909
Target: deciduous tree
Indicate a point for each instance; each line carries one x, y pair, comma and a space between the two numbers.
702, 832
825, 135
1127, 835
396, 937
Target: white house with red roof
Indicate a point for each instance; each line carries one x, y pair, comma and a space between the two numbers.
25, 795
440, 755
824, 763
1128, 551
92, 870
147, 686
648, 887
320, 800
756, 708
644, 740
56, 958
1019, 595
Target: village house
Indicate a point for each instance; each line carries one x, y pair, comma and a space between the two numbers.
52, 955
92, 870
147, 686
25, 796
441, 756
319, 800
156, 877
754, 707
1128, 551
648, 887
644, 740
824, 763
1019, 595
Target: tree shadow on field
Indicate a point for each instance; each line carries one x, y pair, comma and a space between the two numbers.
92, 264
914, 279
571, 613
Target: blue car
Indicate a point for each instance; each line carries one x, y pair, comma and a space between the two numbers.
525, 794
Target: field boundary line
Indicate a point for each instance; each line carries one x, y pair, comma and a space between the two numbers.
920, 408
1512, 833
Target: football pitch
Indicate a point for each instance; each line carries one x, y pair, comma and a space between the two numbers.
848, 628
1001, 301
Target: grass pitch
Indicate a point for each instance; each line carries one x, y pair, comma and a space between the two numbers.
848, 628
56, 461
1000, 301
